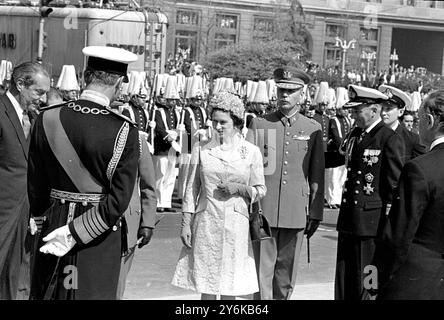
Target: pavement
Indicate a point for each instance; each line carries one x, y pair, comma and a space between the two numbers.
153, 266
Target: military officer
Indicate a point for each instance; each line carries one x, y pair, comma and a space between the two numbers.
392, 110
373, 157
166, 144
82, 163
291, 145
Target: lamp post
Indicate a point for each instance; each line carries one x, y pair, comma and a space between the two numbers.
394, 57
345, 46
368, 56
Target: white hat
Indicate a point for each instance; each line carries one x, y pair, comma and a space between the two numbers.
181, 82
228, 85
251, 90
218, 85
331, 98
239, 88
322, 94
416, 102
160, 80
109, 59
396, 96
271, 89
135, 82
341, 97
171, 91
194, 87
261, 95
5, 71
362, 95
68, 79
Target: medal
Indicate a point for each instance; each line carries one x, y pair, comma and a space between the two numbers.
368, 189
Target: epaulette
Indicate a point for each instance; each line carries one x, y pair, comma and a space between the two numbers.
58, 105
121, 116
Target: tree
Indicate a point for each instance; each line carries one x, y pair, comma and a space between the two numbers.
254, 61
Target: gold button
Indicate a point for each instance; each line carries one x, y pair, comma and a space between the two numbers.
344, 200
349, 169
358, 182
286, 152
285, 172
345, 189
62, 201
356, 191
285, 163
359, 172
84, 203
114, 228
356, 202
284, 182
288, 133
287, 143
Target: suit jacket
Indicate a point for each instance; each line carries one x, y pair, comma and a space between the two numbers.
372, 177
293, 166
14, 205
413, 147
417, 224
141, 211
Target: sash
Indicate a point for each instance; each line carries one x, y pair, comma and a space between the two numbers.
66, 155
338, 124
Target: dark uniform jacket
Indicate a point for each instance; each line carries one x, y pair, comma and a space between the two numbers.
293, 168
413, 147
138, 114
372, 177
324, 121
161, 144
417, 224
97, 137
14, 205
199, 120
337, 134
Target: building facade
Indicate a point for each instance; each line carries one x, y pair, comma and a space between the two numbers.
414, 28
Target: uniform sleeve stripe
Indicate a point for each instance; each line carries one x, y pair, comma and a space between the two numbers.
90, 225
87, 226
81, 231
98, 221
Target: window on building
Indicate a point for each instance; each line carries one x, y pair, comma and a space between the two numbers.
263, 28
335, 30
187, 17
369, 34
223, 39
186, 40
332, 55
225, 21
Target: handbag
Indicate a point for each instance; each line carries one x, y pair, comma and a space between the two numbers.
259, 226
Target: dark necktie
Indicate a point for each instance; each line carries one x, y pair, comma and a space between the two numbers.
26, 124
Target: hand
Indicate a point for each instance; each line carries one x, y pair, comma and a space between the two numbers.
185, 233
58, 242
144, 235
233, 188
312, 225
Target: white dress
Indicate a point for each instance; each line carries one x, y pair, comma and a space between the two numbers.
221, 260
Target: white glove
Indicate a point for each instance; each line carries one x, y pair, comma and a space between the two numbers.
32, 226
35, 224
58, 242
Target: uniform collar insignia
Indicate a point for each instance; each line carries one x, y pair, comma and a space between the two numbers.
96, 97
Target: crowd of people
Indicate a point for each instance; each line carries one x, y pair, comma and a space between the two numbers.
85, 172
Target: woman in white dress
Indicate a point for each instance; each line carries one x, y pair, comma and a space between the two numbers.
226, 175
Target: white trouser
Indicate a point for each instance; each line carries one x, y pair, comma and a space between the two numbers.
334, 182
166, 172
184, 167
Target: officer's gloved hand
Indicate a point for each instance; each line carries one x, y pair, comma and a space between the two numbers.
58, 242
233, 188
312, 225
144, 235
185, 234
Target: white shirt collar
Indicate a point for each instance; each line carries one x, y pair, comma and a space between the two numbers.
436, 142
96, 97
18, 109
395, 125
373, 125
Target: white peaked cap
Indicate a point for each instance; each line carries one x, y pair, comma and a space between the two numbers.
322, 93
261, 95
271, 89
341, 97
251, 90
171, 91
194, 87
159, 83
396, 96
68, 79
416, 101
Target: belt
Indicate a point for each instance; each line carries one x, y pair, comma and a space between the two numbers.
84, 198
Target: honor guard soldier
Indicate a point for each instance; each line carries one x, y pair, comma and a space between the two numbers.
259, 103
195, 122
373, 157
82, 167
321, 102
68, 84
166, 144
291, 145
392, 110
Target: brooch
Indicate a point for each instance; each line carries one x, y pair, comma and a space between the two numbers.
368, 189
371, 156
301, 136
243, 152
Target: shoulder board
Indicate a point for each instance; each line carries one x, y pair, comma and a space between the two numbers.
121, 116
53, 106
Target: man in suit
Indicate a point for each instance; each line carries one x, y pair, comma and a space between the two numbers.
392, 110
373, 157
291, 145
416, 265
29, 85
82, 170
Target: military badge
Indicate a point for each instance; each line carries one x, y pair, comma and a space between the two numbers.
371, 156
369, 177
301, 136
243, 152
368, 189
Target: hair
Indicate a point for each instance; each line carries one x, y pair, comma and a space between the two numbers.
27, 72
434, 104
408, 113
100, 78
54, 93
237, 122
